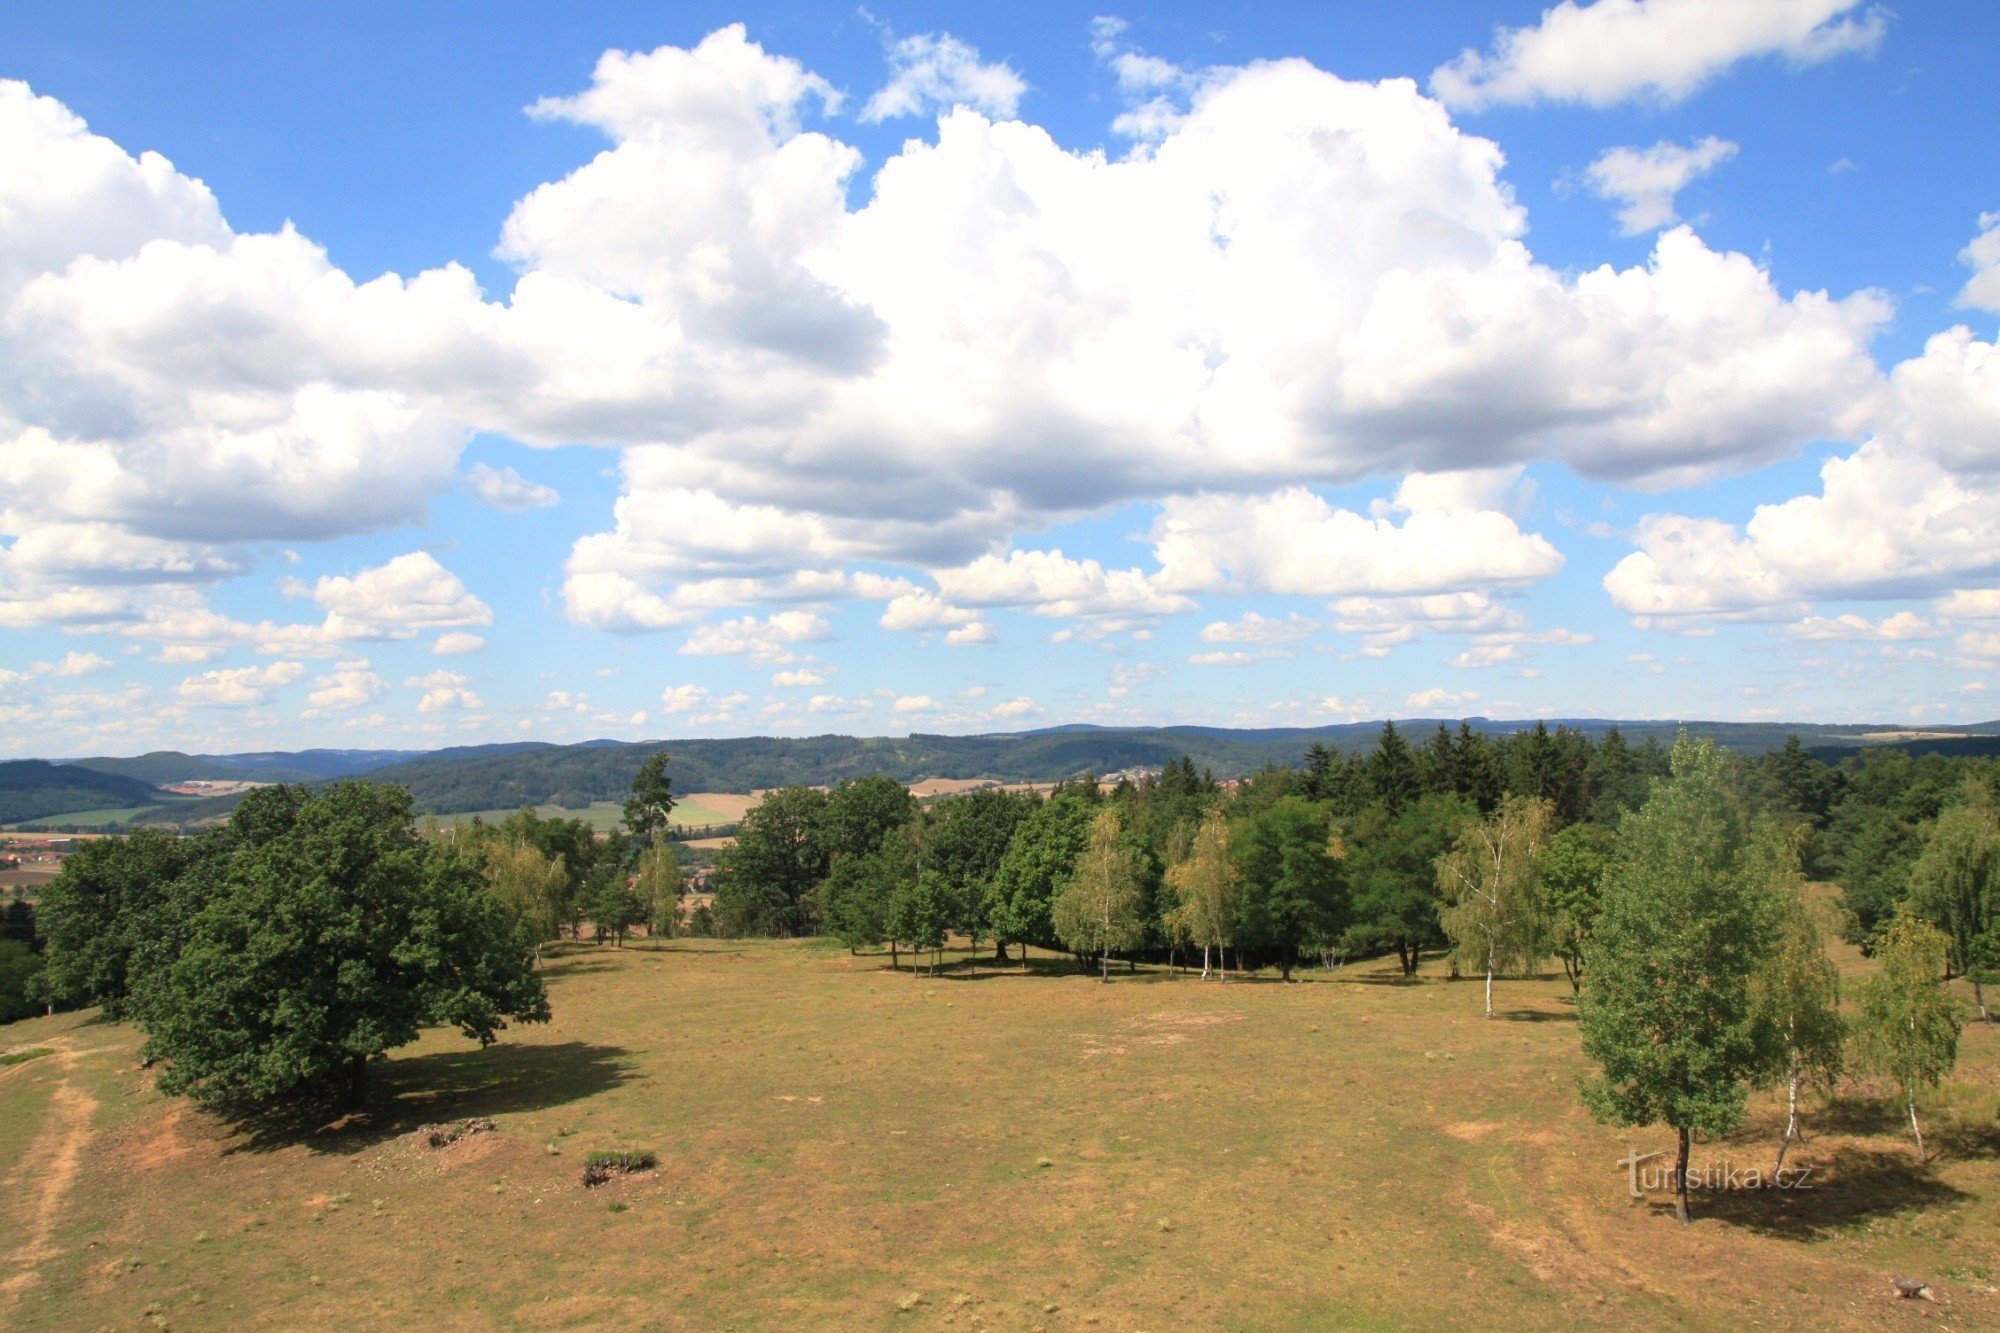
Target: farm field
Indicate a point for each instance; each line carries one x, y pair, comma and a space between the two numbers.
842, 1145
698, 808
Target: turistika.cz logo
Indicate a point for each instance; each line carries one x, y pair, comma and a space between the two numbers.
1714, 1178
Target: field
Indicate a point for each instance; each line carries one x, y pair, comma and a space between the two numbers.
845, 1146
703, 807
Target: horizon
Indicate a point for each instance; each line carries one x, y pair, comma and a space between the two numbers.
412, 380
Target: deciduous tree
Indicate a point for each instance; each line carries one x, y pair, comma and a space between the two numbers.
1493, 911
1907, 1024
1102, 909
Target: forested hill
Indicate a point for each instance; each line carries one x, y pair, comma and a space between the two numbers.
503, 777
33, 788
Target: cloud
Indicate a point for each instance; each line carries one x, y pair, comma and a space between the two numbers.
1664, 51
802, 677
1240, 657
394, 601
507, 490
350, 686
457, 643
1295, 542
916, 703
765, 642
1019, 707
1425, 701
934, 71
1646, 180
1901, 626
1126, 677
1982, 292
242, 687
1913, 512
682, 698
1049, 583
1255, 628
72, 665
443, 691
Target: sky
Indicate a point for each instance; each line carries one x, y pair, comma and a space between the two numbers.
417, 375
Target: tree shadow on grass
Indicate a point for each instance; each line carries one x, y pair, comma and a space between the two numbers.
1535, 1016
409, 1092
1850, 1188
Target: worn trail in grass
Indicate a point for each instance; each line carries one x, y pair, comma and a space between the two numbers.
843, 1145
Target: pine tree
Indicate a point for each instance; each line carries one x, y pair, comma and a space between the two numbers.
1665, 1009
1908, 1025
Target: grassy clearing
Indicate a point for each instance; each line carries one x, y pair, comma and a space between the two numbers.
838, 1145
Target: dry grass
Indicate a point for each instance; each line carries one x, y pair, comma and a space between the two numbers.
842, 1146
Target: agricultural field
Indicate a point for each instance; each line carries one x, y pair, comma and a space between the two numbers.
843, 1145
705, 807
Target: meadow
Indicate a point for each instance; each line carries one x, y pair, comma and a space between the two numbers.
840, 1145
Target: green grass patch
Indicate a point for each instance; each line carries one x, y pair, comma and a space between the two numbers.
22, 1057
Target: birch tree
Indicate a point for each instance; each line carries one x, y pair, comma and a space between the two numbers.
1103, 907
1908, 1024
534, 887
1796, 994
1493, 912
1205, 886
1955, 885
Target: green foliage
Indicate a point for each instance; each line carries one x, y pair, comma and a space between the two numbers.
19, 964
765, 881
1795, 990
1392, 776
1292, 892
966, 839
1203, 888
1392, 865
861, 812
651, 804
1102, 909
1955, 884
534, 887
1665, 1009
610, 903
111, 898
327, 935
1038, 864
1907, 1025
1493, 911
658, 887
1571, 868
921, 909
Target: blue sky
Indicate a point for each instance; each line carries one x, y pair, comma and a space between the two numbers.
420, 375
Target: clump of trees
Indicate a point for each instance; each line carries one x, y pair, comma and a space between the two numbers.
276, 958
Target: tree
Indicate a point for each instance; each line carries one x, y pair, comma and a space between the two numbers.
652, 801
532, 886
1204, 888
1392, 865
967, 838
1392, 770
861, 812
1955, 885
659, 887
107, 902
19, 964
1907, 1025
1292, 892
1040, 859
1665, 1010
1493, 911
920, 913
1102, 909
18, 922
765, 881
1795, 993
329, 934
1571, 871
611, 904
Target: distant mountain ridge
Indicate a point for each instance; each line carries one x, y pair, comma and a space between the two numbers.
516, 773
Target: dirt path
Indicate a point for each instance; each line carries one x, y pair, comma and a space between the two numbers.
48, 1171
